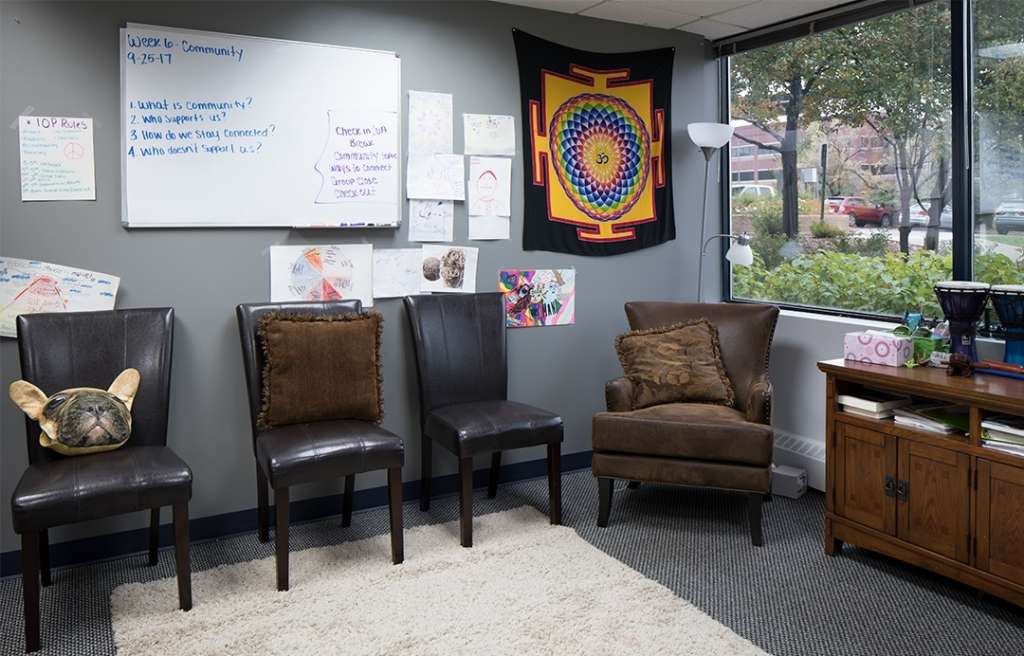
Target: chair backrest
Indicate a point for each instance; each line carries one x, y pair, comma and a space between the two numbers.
89, 349
460, 348
745, 333
249, 316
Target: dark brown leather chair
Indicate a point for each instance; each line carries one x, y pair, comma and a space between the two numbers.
316, 451
89, 349
463, 379
695, 444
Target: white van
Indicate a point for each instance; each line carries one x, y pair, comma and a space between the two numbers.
753, 190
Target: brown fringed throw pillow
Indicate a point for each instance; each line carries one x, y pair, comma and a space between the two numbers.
675, 364
320, 368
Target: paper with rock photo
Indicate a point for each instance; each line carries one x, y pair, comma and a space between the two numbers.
489, 134
430, 122
331, 272
482, 228
396, 272
448, 269
431, 220
436, 177
490, 186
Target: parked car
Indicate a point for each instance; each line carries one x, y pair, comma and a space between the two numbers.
1009, 216
862, 212
833, 203
919, 216
753, 190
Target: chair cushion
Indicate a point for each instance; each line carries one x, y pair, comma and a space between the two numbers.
486, 426
677, 363
302, 453
70, 490
320, 368
697, 431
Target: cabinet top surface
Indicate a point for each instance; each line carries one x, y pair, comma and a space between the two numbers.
924, 381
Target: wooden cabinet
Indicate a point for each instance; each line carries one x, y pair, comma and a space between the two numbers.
945, 503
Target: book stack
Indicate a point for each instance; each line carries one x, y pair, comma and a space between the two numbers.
874, 405
1003, 433
934, 418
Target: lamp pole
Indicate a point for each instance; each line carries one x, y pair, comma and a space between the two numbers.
708, 153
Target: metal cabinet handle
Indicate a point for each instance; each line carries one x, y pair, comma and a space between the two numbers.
890, 486
902, 490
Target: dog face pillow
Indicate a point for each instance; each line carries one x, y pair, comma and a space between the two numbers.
81, 420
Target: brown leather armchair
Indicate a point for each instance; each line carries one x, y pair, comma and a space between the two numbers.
695, 444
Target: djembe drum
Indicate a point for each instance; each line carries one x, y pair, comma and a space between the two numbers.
962, 302
1008, 302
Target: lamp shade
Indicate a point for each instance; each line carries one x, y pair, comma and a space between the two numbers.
740, 254
709, 135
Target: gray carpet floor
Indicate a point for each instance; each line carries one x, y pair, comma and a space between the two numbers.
787, 597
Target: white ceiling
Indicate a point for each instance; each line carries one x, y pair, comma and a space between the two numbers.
712, 19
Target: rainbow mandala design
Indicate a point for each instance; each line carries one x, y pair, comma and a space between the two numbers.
601, 154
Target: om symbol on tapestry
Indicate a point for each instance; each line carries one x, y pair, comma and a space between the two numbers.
600, 137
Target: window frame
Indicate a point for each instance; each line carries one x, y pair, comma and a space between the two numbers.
961, 14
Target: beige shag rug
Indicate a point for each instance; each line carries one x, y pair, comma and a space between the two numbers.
526, 587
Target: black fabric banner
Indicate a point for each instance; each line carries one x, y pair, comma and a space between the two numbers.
596, 148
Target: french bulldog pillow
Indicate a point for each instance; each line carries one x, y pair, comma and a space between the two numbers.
81, 420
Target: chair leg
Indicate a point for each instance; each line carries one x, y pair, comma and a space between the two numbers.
754, 501
154, 535
555, 483
44, 556
262, 505
633, 485
281, 537
492, 484
426, 458
30, 588
346, 502
395, 506
605, 488
466, 501
181, 555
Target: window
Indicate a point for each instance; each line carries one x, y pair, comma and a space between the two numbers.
877, 95
743, 151
998, 149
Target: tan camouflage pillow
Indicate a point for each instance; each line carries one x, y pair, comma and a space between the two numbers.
675, 364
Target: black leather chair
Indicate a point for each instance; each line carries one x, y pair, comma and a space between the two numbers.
303, 453
89, 349
463, 381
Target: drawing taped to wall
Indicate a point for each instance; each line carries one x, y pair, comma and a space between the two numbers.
396, 272
30, 287
538, 297
322, 273
431, 220
430, 122
448, 269
489, 134
490, 186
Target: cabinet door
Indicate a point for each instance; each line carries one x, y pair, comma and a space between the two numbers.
934, 497
1001, 520
864, 460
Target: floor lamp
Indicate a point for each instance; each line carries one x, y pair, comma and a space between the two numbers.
709, 137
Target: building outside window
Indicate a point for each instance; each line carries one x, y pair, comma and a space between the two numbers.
883, 113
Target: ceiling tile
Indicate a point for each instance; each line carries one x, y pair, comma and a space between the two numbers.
767, 12
712, 29
702, 8
567, 6
639, 12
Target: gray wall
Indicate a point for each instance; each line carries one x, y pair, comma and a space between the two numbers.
63, 60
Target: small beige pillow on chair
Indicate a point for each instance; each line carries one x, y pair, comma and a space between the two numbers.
675, 364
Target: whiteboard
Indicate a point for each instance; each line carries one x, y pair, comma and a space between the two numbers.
228, 130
